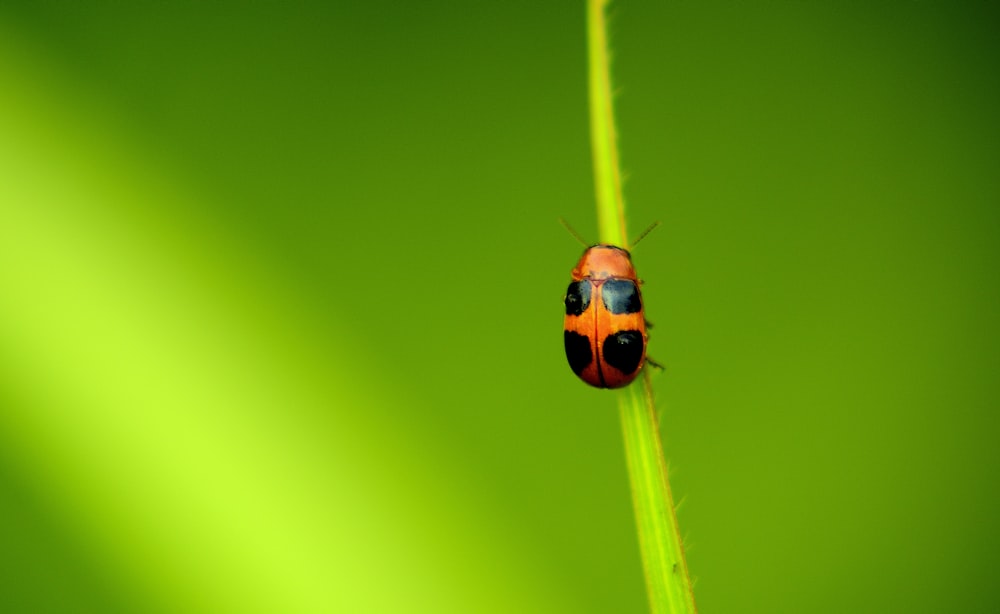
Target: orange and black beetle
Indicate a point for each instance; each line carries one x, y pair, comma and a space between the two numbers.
605, 327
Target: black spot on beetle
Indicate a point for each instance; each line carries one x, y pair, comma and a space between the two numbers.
621, 296
577, 298
578, 351
623, 350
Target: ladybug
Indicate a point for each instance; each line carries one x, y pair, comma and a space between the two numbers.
605, 327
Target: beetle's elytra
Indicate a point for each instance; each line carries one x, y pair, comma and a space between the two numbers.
605, 327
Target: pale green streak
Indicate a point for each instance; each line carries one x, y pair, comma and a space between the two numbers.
172, 405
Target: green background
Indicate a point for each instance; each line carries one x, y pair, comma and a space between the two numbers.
280, 310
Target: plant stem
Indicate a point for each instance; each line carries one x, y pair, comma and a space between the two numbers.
668, 583
603, 139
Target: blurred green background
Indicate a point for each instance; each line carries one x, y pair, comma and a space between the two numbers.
280, 312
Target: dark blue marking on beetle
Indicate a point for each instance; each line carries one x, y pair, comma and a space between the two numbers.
577, 298
623, 350
578, 351
621, 296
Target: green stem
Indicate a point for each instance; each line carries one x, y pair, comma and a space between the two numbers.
667, 580
668, 583
603, 139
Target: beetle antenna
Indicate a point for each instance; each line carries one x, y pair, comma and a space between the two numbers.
645, 232
574, 233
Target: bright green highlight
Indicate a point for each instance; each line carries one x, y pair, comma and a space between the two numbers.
668, 583
169, 396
